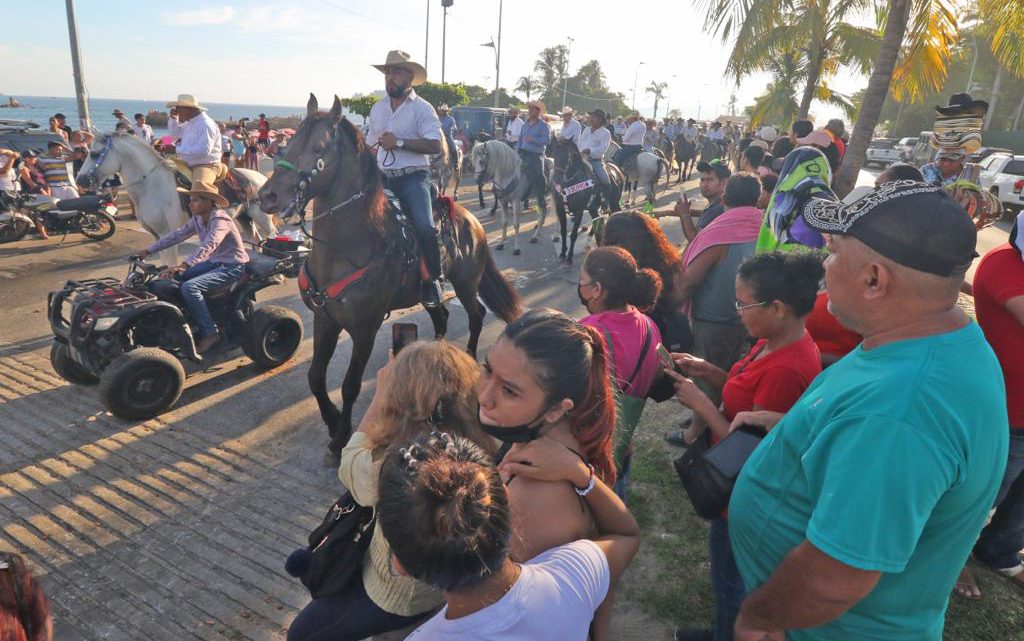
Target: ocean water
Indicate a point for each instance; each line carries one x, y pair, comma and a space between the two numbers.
39, 109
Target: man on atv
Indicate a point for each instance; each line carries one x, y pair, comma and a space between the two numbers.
220, 257
406, 132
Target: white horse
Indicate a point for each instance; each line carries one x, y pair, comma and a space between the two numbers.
444, 172
495, 161
645, 171
150, 183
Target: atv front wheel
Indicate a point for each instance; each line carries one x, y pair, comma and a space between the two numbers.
67, 368
142, 383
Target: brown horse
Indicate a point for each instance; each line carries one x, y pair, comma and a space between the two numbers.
361, 266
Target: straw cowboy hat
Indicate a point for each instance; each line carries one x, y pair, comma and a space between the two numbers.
565, 110
206, 191
397, 58
186, 100
539, 104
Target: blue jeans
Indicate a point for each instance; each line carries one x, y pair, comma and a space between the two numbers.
624, 153
348, 616
199, 279
533, 169
1003, 538
413, 191
600, 173
621, 485
726, 582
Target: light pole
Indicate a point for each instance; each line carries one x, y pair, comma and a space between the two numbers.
444, 34
706, 85
493, 46
668, 101
497, 59
84, 122
426, 39
565, 75
636, 76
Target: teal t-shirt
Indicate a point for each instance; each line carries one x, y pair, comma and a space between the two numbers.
889, 462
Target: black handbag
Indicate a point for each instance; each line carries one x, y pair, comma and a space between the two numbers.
708, 488
336, 548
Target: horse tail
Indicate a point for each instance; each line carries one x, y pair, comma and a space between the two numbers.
498, 294
668, 171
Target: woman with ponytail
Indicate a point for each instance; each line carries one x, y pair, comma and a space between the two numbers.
24, 610
617, 294
546, 378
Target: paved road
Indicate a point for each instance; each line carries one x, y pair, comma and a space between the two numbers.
176, 528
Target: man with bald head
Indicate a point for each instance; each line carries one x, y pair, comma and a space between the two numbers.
855, 514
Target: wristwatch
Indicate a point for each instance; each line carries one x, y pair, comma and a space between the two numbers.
400, 143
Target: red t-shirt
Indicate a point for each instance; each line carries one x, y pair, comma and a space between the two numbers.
1000, 277
773, 382
830, 336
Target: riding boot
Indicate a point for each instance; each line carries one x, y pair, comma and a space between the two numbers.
430, 294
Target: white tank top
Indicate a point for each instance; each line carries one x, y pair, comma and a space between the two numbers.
8, 180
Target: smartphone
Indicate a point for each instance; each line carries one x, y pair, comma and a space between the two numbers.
729, 454
665, 357
403, 334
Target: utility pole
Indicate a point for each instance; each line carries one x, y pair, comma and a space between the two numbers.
426, 39
497, 60
84, 122
444, 34
636, 75
565, 74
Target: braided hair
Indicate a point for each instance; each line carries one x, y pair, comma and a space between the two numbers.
444, 511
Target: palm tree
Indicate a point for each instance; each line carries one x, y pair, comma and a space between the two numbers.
658, 90
591, 76
778, 103
552, 64
526, 84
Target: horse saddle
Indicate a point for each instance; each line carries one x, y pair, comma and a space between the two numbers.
406, 241
233, 184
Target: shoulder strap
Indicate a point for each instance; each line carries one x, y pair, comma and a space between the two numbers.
640, 360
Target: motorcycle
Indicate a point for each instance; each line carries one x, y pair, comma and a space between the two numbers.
91, 216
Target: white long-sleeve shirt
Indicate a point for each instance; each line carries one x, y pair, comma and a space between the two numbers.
596, 140
200, 140
634, 134
513, 128
571, 131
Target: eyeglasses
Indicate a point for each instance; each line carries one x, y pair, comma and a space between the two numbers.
590, 284
740, 306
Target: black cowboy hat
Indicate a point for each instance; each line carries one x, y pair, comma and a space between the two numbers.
599, 112
961, 104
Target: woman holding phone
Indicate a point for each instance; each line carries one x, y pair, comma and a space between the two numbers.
774, 294
437, 391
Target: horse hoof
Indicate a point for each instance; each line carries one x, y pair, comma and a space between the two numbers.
516, 252
533, 241
568, 260
499, 246
561, 257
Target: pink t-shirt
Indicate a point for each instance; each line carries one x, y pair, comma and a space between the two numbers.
628, 330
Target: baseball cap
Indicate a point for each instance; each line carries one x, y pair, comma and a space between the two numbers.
818, 137
915, 224
717, 166
802, 128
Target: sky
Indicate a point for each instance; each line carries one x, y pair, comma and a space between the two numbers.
276, 53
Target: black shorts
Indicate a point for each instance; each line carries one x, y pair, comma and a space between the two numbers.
252, 149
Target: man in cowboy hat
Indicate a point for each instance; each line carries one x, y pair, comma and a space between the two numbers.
513, 127
533, 141
593, 143
121, 118
406, 131
690, 130
199, 145
448, 127
571, 129
632, 139
219, 257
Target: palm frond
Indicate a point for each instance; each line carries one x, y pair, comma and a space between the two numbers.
857, 47
927, 50
1005, 19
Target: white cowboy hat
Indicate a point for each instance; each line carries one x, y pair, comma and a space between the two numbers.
397, 58
444, 107
565, 110
186, 100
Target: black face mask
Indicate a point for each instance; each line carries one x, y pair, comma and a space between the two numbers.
583, 301
517, 433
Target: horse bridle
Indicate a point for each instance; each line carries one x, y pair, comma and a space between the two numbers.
99, 157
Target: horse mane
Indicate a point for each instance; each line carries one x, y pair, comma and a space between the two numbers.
506, 160
373, 180
136, 142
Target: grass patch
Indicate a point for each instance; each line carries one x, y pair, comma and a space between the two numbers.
669, 580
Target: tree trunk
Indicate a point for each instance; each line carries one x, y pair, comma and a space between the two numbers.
655, 116
874, 97
996, 85
1020, 112
815, 59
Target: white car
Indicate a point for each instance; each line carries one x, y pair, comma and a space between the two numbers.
906, 147
883, 151
1003, 175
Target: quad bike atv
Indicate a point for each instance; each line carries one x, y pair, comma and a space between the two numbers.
131, 337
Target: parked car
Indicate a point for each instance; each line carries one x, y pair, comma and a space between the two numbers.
22, 135
883, 151
1003, 175
906, 147
923, 153
985, 152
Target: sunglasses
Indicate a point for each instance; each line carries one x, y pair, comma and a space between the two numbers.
740, 306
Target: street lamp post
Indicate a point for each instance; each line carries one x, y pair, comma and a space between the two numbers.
426, 39
636, 76
668, 102
565, 75
497, 60
444, 34
495, 47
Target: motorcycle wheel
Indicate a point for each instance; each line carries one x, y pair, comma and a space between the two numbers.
97, 225
142, 383
15, 230
67, 368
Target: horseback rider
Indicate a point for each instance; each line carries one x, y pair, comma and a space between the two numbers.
533, 141
448, 128
513, 127
571, 128
219, 258
593, 143
690, 130
632, 140
199, 145
717, 135
406, 131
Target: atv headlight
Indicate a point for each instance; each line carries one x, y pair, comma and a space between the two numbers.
104, 323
